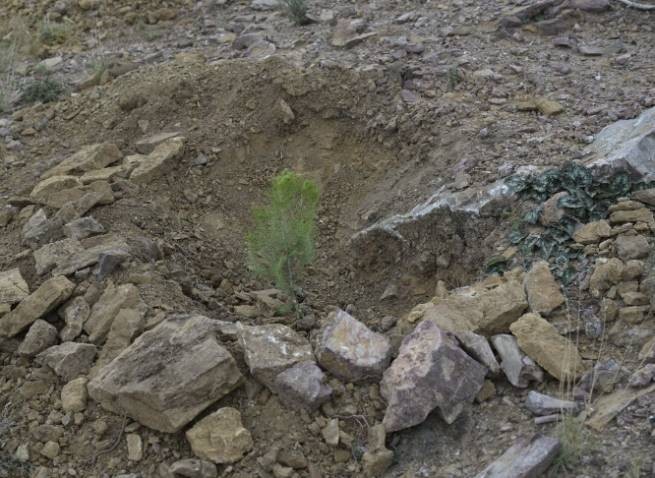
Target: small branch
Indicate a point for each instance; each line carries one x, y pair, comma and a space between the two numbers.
638, 6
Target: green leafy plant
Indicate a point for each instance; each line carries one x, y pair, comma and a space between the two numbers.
281, 243
588, 199
297, 11
53, 33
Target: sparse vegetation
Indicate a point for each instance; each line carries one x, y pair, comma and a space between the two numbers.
8, 79
281, 244
53, 33
297, 11
576, 442
45, 90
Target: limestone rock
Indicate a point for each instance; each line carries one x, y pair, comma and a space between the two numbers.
75, 312
103, 245
645, 196
169, 374
606, 274
540, 404
89, 158
36, 228
148, 144
625, 145
146, 168
540, 340
50, 255
632, 215
134, 447
13, 287
519, 369
74, 395
643, 376
551, 213
68, 360
647, 352
220, 437
303, 385
501, 305
377, 457
44, 191
525, 459
48, 296
193, 468
82, 228
632, 247
105, 310
126, 326
40, 336
592, 232
544, 294
478, 347
350, 350
271, 349
430, 372
104, 174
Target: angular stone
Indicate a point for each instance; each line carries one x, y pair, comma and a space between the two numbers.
634, 298
82, 228
551, 213
48, 296
13, 287
477, 346
35, 228
540, 340
350, 350
44, 191
126, 326
601, 379
134, 447
377, 458
430, 372
501, 306
592, 232
634, 314
544, 294
540, 404
331, 432
74, 395
91, 255
271, 349
626, 145
68, 360
609, 406
647, 352
220, 437
40, 336
527, 458
49, 256
303, 385
146, 168
646, 196
643, 376
89, 158
632, 215
51, 450
519, 369
104, 174
193, 468
606, 274
148, 144
74, 313
633, 270
166, 394
632, 247
105, 310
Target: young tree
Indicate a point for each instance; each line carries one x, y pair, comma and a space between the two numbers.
281, 243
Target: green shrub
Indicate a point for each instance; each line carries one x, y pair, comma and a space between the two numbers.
53, 33
281, 243
297, 11
44, 90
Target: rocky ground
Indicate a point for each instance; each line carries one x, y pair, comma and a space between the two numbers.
456, 326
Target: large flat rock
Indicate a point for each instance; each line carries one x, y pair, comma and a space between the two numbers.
169, 374
89, 158
527, 458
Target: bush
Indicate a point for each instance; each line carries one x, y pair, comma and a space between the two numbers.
297, 11
53, 33
281, 243
44, 90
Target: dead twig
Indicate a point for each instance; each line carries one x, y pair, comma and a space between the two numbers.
638, 6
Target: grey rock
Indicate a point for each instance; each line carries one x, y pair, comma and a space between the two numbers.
35, 228
632, 247
91, 255
83, 227
626, 145
601, 379
478, 347
303, 385
518, 368
50, 255
642, 377
40, 336
169, 374
68, 360
105, 310
350, 350
527, 458
109, 261
271, 349
541, 404
220, 437
89, 158
148, 144
75, 313
265, 4
194, 468
430, 372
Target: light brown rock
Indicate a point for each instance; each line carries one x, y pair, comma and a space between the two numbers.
592, 232
13, 287
74, 395
89, 158
105, 310
146, 168
220, 437
544, 294
541, 342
